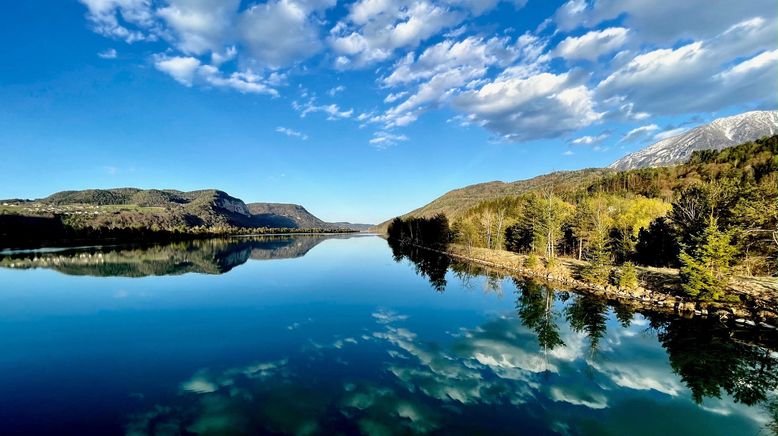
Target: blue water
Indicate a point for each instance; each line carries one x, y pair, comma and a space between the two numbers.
313, 334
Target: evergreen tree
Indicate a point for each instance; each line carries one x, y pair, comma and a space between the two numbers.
628, 276
705, 272
597, 270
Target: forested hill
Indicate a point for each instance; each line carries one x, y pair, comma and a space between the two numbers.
164, 209
286, 215
455, 203
713, 215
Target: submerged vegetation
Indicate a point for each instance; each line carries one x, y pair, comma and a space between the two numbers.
713, 216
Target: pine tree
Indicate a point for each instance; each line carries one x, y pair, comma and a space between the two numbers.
598, 269
705, 272
628, 276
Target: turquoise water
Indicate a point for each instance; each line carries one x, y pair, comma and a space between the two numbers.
322, 334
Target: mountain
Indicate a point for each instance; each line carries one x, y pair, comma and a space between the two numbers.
167, 209
719, 134
455, 203
127, 207
353, 226
280, 215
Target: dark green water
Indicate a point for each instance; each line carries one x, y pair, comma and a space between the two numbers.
343, 335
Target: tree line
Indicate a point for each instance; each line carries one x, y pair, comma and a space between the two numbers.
23, 231
715, 215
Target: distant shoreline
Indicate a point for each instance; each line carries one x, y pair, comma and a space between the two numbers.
20, 232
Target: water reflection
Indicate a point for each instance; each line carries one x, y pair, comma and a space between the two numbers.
206, 256
430, 265
362, 345
562, 363
711, 360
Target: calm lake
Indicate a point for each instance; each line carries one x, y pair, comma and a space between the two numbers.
343, 334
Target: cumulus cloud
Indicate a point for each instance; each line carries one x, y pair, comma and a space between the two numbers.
104, 18
697, 76
545, 105
188, 70
182, 69
280, 32
199, 26
374, 29
670, 58
593, 44
446, 69
663, 22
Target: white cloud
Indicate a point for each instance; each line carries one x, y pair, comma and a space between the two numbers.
593, 44
384, 139
590, 140
279, 33
291, 132
374, 29
336, 90
446, 69
103, 15
689, 78
391, 98
188, 70
472, 53
200, 26
333, 111
639, 133
585, 398
108, 54
663, 22
181, 68
545, 105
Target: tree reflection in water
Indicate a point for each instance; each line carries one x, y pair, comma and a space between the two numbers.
535, 308
429, 264
709, 357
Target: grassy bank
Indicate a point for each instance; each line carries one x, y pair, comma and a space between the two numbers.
752, 299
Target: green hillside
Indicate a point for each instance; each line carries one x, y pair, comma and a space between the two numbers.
455, 203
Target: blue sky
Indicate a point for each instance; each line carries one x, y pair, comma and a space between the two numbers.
366, 109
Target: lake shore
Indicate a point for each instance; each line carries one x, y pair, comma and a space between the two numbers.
659, 288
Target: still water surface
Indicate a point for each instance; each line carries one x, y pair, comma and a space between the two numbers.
343, 334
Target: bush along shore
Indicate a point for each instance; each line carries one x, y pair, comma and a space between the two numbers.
746, 300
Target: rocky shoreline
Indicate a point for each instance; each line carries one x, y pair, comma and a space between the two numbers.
748, 310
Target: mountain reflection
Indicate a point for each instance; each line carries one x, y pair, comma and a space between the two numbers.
205, 256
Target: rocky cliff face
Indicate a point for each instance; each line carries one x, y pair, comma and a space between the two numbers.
719, 134
232, 204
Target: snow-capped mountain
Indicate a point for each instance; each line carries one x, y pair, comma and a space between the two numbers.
719, 134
